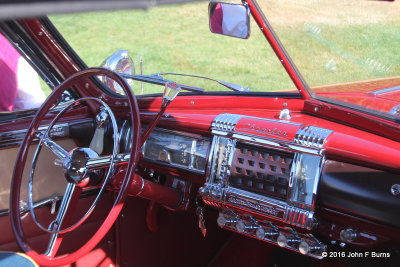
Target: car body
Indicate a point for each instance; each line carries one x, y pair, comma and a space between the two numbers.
209, 178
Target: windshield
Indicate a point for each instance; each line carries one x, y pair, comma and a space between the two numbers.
345, 50
175, 39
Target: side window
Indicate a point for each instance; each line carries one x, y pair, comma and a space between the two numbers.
21, 88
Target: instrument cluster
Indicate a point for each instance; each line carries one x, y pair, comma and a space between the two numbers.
177, 149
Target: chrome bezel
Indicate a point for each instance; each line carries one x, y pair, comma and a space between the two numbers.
308, 141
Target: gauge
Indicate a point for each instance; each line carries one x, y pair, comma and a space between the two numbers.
177, 149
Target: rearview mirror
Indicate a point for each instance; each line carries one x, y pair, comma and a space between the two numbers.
229, 19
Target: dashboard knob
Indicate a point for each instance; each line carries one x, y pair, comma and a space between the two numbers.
242, 227
306, 248
263, 233
348, 235
284, 240
223, 220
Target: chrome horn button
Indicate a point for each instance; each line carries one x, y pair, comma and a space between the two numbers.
74, 164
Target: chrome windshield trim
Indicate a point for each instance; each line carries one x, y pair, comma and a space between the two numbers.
385, 90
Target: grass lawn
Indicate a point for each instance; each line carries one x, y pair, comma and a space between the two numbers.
177, 39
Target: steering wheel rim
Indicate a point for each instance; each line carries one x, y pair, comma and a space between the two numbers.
21, 160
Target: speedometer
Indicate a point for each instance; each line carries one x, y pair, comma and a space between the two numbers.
177, 149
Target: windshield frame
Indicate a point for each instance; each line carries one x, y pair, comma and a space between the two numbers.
273, 39
295, 74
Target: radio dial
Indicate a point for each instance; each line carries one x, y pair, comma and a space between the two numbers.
223, 220
269, 233
242, 227
284, 241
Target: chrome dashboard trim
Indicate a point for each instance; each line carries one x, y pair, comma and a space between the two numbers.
14, 138
273, 120
225, 122
307, 149
311, 136
276, 144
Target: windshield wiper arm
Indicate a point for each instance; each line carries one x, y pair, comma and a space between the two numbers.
232, 86
154, 79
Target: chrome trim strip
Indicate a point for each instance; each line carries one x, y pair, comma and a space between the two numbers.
14, 138
266, 205
276, 144
273, 120
386, 90
38, 204
52, 200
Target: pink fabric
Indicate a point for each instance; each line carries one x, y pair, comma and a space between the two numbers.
216, 19
8, 74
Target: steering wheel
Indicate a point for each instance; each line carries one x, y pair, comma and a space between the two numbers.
75, 173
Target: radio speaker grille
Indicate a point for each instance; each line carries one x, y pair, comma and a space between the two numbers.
261, 170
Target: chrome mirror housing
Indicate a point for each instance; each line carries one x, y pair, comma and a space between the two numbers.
120, 62
229, 19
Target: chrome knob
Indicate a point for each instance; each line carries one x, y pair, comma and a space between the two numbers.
348, 235
284, 240
395, 189
242, 227
223, 220
269, 233
314, 248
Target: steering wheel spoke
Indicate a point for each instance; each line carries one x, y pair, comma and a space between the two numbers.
66, 208
58, 150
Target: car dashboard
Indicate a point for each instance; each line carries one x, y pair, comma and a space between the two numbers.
303, 187
303, 183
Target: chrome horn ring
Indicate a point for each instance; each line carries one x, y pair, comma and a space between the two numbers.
44, 139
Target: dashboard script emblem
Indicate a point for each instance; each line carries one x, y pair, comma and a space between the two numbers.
271, 131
